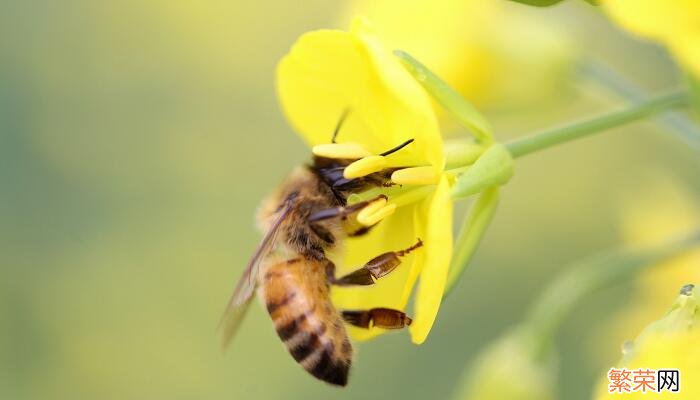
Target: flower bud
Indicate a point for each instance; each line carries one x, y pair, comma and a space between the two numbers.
671, 343
493, 168
511, 369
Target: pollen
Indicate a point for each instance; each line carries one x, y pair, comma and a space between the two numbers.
340, 151
364, 166
415, 176
369, 219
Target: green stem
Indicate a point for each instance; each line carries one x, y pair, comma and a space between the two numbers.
676, 123
555, 136
591, 275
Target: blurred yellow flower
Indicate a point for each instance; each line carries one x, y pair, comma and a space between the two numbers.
476, 46
673, 23
510, 369
664, 212
330, 72
669, 343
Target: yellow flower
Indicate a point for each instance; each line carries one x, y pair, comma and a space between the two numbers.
510, 369
669, 343
328, 73
475, 45
674, 23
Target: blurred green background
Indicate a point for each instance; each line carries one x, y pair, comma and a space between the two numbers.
137, 137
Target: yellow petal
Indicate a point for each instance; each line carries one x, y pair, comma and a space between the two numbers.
396, 232
675, 23
436, 221
687, 49
327, 72
476, 58
648, 18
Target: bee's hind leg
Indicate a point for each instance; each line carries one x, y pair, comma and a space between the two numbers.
375, 268
386, 318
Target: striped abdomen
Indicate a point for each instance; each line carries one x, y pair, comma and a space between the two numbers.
296, 295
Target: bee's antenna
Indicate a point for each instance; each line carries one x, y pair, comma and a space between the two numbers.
397, 148
343, 116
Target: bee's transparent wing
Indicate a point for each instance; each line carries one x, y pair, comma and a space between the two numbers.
231, 320
243, 293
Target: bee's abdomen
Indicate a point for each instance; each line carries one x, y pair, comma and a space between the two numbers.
297, 299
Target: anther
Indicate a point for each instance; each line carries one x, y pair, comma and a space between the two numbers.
349, 151
371, 208
378, 215
364, 166
415, 176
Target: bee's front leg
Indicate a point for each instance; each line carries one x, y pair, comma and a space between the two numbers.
375, 268
341, 212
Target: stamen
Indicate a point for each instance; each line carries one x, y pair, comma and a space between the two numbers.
411, 196
415, 176
364, 166
371, 208
369, 220
350, 151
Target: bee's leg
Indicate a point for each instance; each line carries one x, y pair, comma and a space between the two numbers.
386, 318
375, 268
362, 230
341, 212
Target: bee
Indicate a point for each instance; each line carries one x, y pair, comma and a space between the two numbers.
302, 221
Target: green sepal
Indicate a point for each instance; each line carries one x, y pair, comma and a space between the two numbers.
461, 152
539, 3
548, 3
473, 229
493, 168
466, 114
694, 84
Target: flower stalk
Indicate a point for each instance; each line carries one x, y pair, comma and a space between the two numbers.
567, 133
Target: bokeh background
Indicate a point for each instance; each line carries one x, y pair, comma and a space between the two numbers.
137, 137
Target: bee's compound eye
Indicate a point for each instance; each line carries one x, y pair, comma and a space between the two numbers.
347, 151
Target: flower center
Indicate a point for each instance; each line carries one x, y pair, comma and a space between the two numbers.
411, 184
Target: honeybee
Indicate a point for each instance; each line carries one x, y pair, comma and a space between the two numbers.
304, 219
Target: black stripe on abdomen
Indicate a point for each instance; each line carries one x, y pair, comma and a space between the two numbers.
273, 306
291, 328
329, 368
306, 347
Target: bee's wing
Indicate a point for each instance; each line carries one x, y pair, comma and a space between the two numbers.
243, 293
231, 320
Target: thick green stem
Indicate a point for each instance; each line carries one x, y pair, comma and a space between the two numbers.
553, 137
591, 275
